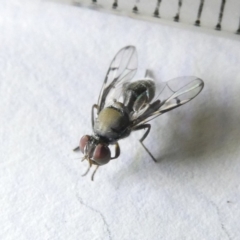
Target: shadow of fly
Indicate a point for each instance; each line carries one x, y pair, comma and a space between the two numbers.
125, 106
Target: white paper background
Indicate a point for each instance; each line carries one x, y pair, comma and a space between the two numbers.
53, 59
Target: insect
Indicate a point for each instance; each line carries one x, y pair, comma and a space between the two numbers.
125, 106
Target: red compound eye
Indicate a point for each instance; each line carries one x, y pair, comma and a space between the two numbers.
83, 142
101, 154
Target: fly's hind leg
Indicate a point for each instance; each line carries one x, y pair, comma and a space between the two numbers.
92, 118
148, 127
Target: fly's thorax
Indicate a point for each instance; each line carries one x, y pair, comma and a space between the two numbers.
112, 123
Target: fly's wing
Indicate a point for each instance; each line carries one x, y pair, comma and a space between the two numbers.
175, 93
122, 69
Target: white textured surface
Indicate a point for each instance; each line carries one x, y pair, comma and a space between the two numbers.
53, 59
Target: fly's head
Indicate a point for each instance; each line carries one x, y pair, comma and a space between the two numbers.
95, 151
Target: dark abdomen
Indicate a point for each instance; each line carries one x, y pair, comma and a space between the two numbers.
137, 93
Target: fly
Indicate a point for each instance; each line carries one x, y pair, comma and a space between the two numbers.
125, 106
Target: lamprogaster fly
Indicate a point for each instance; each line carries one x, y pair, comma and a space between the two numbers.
125, 106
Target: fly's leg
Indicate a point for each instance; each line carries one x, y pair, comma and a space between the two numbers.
94, 106
86, 171
143, 126
92, 178
97, 107
89, 167
117, 151
90, 164
76, 149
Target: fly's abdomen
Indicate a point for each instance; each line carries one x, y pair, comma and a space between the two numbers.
138, 93
112, 124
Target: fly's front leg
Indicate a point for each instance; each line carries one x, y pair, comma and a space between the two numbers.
97, 107
92, 178
117, 151
92, 117
76, 149
90, 164
148, 127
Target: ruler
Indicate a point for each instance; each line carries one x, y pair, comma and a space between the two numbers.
212, 16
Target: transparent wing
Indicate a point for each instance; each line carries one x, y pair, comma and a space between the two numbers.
173, 94
122, 69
